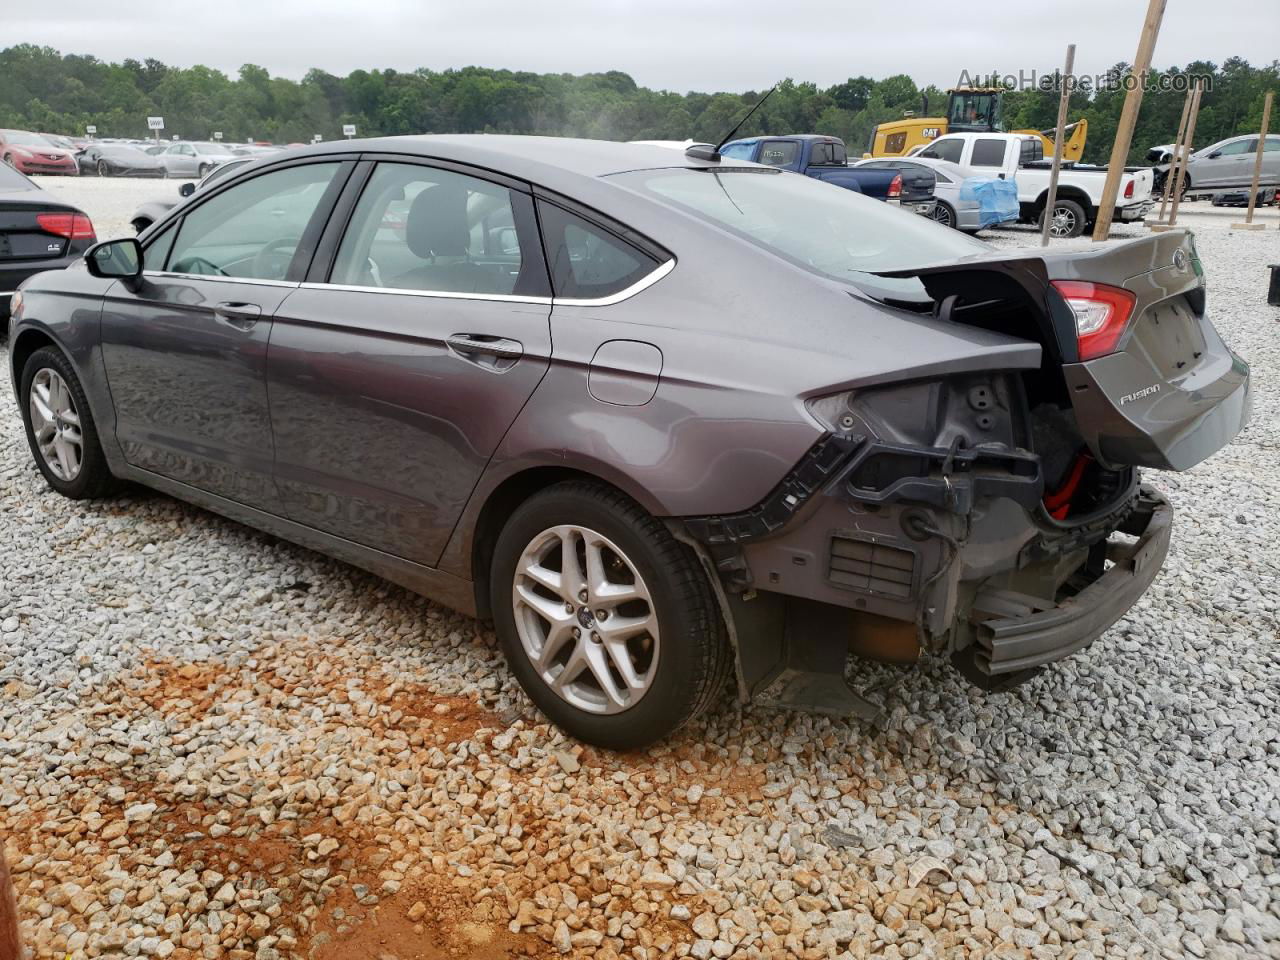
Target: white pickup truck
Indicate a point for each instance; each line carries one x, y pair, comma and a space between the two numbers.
1021, 158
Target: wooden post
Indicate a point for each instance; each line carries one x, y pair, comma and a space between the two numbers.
10, 946
1059, 134
1177, 153
1128, 118
1186, 158
1257, 170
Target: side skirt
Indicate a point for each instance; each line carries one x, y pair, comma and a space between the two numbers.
453, 592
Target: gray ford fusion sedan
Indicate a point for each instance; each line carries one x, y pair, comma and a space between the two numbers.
663, 417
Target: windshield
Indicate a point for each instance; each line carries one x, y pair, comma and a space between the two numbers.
973, 110
24, 139
823, 228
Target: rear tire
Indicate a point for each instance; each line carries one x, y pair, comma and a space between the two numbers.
66, 417
1068, 219
675, 668
104, 169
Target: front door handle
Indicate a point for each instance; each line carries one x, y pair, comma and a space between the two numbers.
478, 343
237, 314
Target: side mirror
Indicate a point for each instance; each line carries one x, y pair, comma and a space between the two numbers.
1215, 155
116, 260
187, 189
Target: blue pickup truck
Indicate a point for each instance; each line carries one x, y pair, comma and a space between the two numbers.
824, 158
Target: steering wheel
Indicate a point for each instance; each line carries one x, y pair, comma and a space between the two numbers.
198, 266
272, 261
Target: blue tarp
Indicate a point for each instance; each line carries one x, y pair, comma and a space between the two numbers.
997, 199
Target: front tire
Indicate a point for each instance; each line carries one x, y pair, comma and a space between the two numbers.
203, 171
656, 657
60, 429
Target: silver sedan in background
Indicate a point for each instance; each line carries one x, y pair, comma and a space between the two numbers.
950, 210
193, 158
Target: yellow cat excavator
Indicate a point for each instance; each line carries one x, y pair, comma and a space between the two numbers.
969, 110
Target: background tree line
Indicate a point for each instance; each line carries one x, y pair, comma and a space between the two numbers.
42, 89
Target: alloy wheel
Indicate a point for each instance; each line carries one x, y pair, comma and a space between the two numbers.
56, 424
585, 619
941, 214
1064, 222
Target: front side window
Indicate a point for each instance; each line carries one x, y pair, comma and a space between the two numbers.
837, 233
1237, 148
157, 252
779, 153
948, 148
252, 229
587, 261
988, 153
420, 228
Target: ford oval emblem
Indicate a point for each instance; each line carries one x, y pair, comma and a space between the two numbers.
1180, 260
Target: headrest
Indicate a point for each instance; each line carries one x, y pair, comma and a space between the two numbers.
437, 223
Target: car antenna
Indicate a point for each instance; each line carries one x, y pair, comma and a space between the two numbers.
704, 151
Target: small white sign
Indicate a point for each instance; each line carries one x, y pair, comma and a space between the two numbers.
91, 129
248, 139
155, 123
348, 129
315, 138
174, 137
217, 134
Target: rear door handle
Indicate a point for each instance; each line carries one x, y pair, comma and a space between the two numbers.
237, 314
482, 345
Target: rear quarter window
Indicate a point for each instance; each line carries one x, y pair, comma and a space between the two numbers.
587, 261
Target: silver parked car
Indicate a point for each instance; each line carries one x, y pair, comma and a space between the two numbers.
1230, 163
665, 418
950, 210
193, 158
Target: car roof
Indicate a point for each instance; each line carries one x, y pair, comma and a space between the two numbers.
816, 137
554, 162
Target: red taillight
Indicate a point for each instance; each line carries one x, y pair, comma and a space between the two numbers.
1128, 190
1101, 313
895, 187
74, 226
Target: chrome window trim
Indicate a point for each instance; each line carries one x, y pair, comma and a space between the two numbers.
648, 280
435, 294
209, 276
644, 282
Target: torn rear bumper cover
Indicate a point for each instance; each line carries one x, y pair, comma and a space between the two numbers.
1011, 643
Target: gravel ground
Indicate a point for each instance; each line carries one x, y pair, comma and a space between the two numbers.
215, 744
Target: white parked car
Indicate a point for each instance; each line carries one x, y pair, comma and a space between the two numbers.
193, 159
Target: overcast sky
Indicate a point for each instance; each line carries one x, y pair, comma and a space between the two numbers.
665, 44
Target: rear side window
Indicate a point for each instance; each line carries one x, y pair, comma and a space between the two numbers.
737, 151
779, 153
827, 154
988, 153
587, 261
948, 148
422, 228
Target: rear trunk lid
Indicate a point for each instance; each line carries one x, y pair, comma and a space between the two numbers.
1168, 394
21, 236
